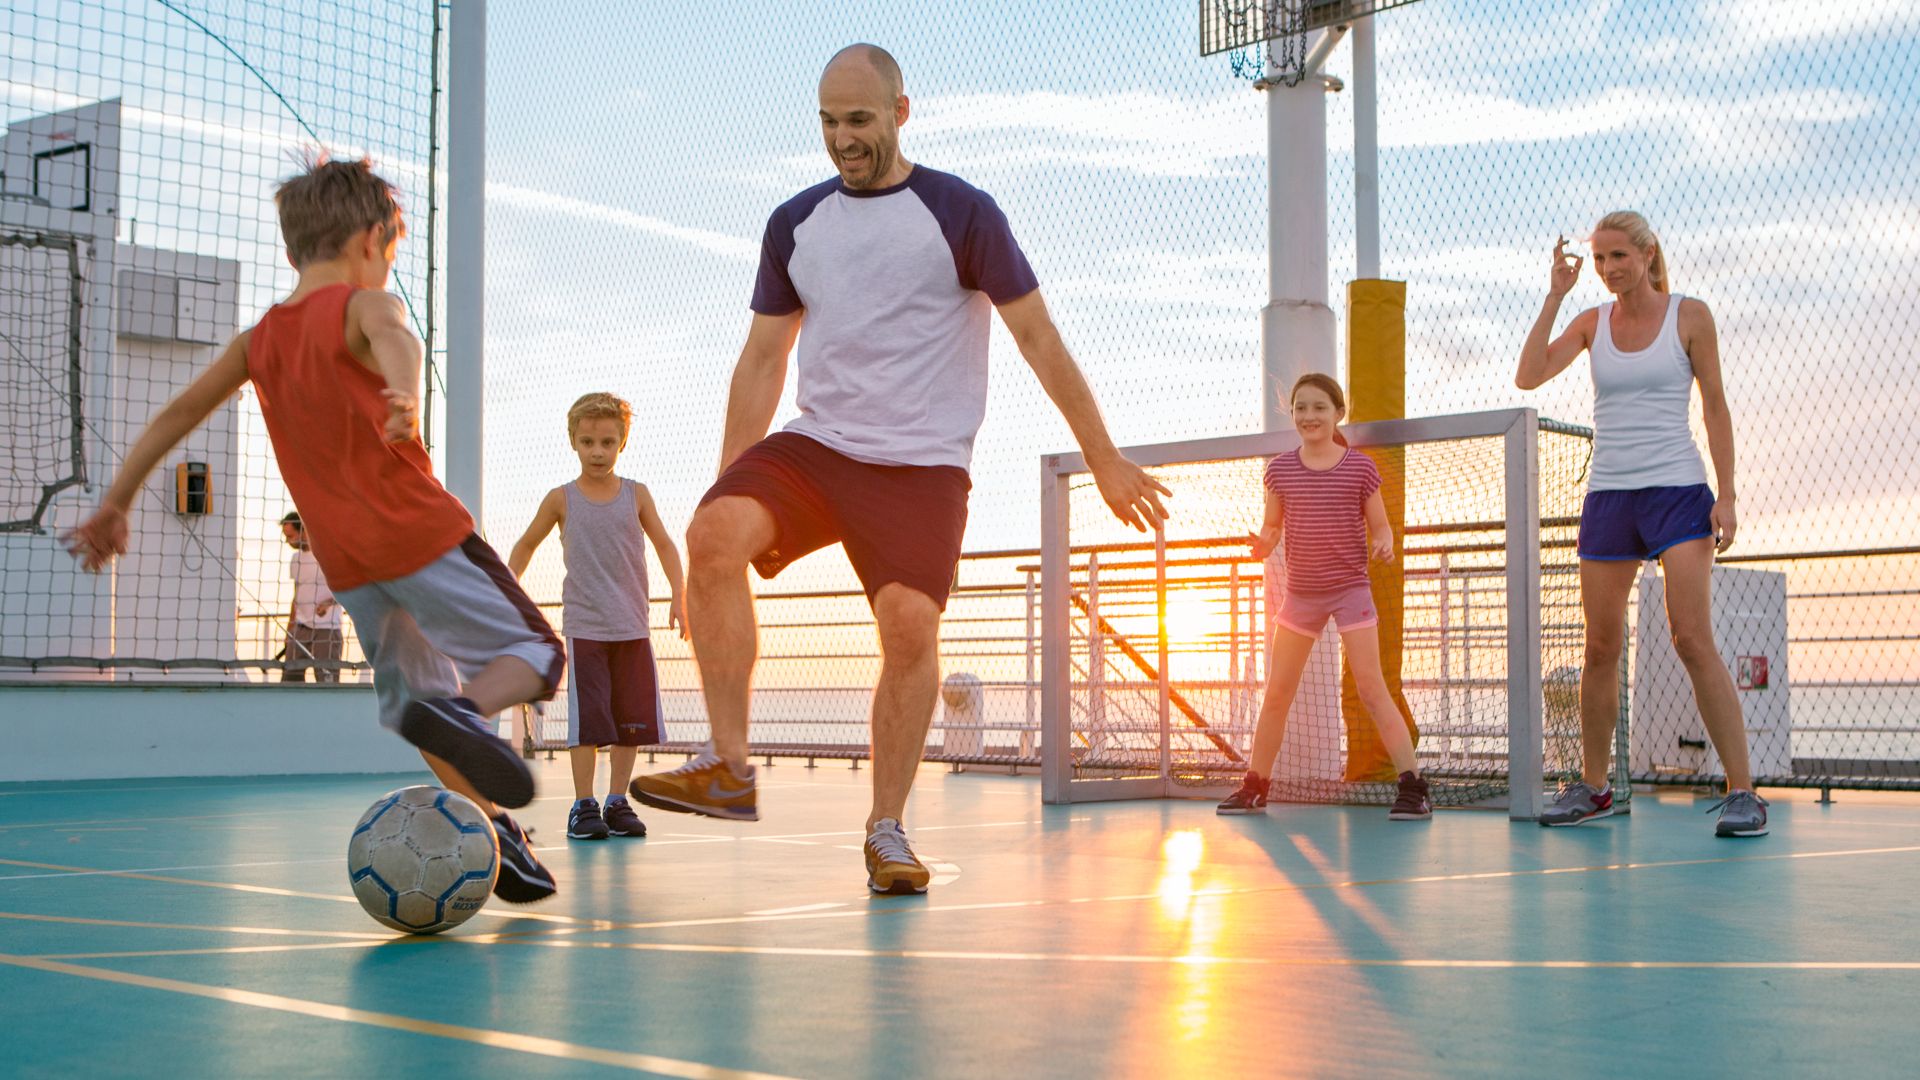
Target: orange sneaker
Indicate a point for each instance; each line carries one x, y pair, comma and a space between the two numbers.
891, 866
704, 785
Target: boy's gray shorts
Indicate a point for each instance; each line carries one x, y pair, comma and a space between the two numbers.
427, 633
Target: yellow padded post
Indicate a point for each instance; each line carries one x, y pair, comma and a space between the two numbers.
1377, 390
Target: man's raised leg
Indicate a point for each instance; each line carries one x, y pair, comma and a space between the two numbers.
722, 539
724, 536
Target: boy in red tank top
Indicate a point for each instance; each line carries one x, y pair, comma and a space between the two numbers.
450, 635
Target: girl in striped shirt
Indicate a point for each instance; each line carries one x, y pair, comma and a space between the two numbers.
1325, 497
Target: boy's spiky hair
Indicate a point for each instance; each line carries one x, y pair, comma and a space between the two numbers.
599, 405
329, 201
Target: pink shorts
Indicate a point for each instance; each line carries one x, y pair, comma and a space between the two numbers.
1350, 608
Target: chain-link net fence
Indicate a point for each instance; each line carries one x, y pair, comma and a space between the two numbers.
141, 148
623, 243
1770, 143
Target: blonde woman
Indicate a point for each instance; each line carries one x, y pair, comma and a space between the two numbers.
1647, 496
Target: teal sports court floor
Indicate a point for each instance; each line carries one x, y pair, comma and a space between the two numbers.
205, 928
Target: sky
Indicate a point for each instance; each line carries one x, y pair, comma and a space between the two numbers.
635, 151
1769, 142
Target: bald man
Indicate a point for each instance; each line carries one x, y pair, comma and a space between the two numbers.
885, 275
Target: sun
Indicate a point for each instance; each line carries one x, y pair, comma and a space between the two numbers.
1191, 618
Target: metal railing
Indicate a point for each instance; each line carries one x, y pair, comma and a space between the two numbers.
1847, 732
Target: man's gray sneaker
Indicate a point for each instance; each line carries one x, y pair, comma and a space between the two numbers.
1742, 813
1578, 802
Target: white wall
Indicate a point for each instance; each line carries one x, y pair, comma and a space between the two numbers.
174, 590
45, 608
149, 321
118, 730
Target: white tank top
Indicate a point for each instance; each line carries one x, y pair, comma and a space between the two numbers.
1641, 436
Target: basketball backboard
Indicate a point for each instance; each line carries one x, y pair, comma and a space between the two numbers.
1238, 24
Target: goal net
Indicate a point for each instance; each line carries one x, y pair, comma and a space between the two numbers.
1155, 650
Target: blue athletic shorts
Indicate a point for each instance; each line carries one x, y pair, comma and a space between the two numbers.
1640, 524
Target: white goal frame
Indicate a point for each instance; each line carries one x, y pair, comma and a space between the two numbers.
1519, 430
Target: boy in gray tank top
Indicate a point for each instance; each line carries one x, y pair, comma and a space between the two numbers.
613, 694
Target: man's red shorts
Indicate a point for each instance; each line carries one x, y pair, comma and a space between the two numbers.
899, 523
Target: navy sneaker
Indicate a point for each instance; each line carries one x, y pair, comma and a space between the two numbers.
584, 821
621, 820
452, 730
522, 879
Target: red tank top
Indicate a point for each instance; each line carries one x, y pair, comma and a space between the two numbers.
372, 509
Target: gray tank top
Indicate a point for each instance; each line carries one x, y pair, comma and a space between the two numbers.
604, 596
1641, 435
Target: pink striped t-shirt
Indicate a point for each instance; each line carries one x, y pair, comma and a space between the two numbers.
1325, 519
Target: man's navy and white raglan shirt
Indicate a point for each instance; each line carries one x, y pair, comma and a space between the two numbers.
898, 285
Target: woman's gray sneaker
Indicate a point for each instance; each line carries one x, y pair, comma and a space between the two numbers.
1578, 802
1742, 813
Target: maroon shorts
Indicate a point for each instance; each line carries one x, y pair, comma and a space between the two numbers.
613, 694
899, 523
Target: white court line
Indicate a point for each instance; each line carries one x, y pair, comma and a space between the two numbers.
501, 1040
268, 890
797, 910
802, 838
861, 833
1214, 960
4, 878
596, 925
145, 821
108, 787
890, 908
78, 920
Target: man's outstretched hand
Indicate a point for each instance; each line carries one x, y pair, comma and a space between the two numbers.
1131, 493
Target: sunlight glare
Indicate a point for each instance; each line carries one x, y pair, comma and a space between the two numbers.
1180, 857
1191, 618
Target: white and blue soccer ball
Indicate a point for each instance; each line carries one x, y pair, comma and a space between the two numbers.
423, 860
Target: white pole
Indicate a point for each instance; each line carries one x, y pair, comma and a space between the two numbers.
1297, 336
1366, 153
1296, 327
466, 251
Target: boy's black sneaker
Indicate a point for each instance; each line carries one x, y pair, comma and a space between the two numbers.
452, 730
522, 879
584, 821
621, 820
1414, 801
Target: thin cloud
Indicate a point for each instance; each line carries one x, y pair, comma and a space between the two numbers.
1441, 114
1137, 132
722, 244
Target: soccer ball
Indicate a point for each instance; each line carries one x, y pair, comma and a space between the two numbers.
422, 860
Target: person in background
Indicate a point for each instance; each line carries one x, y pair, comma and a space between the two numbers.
314, 638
